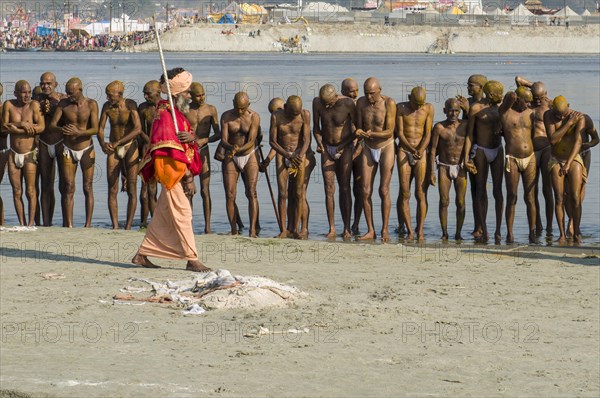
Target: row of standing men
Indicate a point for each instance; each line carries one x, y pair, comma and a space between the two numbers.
356, 137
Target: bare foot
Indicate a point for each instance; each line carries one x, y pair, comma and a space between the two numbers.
458, 236
509, 239
138, 259
385, 236
497, 238
549, 232
207, 231
331, 234
196, 266
483, 238
401, 230
303, 235
368, 236
444, 236
533, 238
346, 235
477, 232
355, 230
561, 240
253, 234
234, 232
283, 235
538, 230
577, 240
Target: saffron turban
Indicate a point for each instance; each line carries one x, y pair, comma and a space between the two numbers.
178, 84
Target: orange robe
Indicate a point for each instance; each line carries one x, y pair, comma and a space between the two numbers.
170, 233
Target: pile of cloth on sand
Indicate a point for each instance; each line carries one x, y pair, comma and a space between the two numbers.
213, 290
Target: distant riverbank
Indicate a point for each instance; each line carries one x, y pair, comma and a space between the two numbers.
324, 38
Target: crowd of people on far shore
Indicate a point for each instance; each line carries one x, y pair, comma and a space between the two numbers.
512, 136
71, 41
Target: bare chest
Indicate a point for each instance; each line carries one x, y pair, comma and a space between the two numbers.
374, 115
118, 116
21, 114
333, 118
76, 114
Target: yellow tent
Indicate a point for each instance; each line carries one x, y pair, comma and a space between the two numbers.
455, 11
252, 13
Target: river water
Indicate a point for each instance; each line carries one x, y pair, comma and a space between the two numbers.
264, 76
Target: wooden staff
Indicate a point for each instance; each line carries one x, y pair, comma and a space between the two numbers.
164, 68
262, 159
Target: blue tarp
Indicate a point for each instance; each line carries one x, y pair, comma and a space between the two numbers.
43, 31
227, 18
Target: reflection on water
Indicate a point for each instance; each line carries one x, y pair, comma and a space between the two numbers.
264, 76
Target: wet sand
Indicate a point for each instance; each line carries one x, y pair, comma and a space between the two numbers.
379, 320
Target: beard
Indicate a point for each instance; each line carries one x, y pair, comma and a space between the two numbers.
182, 104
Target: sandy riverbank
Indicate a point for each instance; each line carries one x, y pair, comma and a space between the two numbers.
379, 320
394, 39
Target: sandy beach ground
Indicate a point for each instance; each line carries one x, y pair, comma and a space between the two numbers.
379, 320
354, 38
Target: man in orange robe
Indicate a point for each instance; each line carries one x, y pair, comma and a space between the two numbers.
172, 159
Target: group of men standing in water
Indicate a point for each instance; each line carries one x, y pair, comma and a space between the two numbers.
357, 138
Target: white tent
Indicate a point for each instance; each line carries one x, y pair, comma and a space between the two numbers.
496, 12
477, 10
520, 15
430, 10
586, 13
521, 11
567, 12
320, 7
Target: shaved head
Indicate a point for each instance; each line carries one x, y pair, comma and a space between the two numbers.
524, 93
196, 89
276, 104
450, 102
538, 89
372, 83
22, 85
48, 76
75, 81
372, 90
328, 95
418, 94
48, 83
560, 105
452, 109
327, 92
294, 105
493, 91
480, 80
241, 100
74, 89
152, 85
117, 86
350, 88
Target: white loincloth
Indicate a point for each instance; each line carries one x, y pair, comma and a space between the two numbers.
76, 155
51, 148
